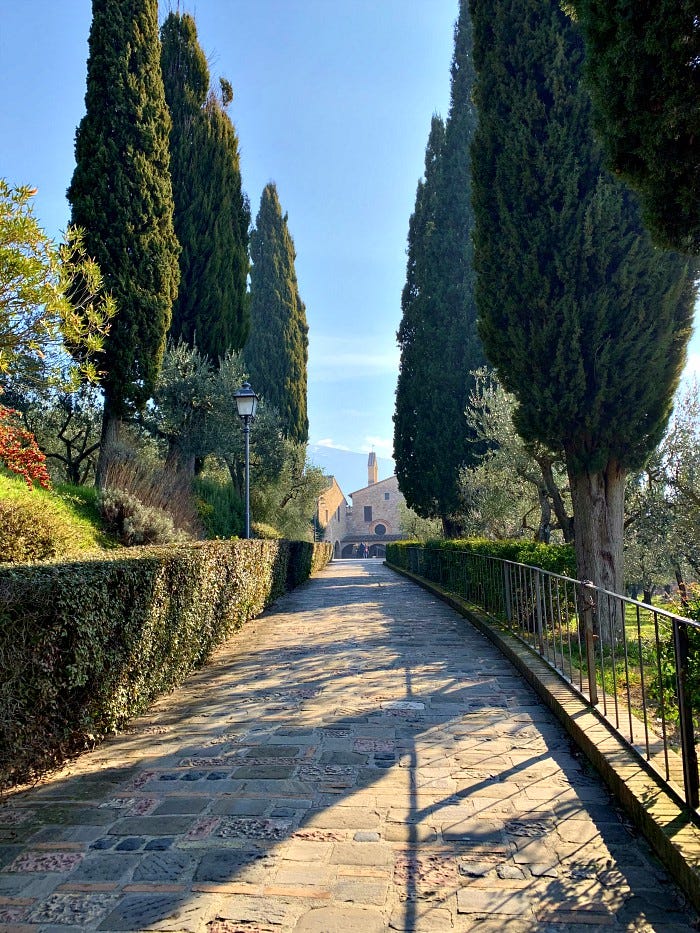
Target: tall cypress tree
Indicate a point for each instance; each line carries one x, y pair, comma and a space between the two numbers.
437, 336
643, 71
585, 321
277, 350
212, 216
418, 476
122, 197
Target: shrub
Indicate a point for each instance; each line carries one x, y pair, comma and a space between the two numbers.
220, 510
133, 523
85, 646
266, 532
28, 532
156, 488
19, 451
557, 558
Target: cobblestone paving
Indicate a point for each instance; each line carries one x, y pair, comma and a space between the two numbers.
358, 759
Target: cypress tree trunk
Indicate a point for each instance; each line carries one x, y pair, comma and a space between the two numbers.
111, 431
599, 501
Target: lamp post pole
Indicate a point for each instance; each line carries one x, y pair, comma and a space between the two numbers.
246, 403
246, 437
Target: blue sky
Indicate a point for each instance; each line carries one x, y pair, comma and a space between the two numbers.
333, 100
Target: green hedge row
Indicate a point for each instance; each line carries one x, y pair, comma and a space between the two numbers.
86, 645
557, 558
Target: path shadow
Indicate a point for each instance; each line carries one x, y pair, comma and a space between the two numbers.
244, 749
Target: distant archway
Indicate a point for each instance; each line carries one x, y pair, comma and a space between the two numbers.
348, 550
377, 550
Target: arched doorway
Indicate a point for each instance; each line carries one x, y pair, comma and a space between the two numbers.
336, 549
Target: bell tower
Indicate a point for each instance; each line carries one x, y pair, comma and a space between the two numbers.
372, 469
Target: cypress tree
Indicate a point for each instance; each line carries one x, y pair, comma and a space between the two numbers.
437, 336
277, 350
122, 197
212, 216
585, 321
417, 475
643, 72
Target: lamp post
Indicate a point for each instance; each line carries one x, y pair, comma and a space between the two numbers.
246, 403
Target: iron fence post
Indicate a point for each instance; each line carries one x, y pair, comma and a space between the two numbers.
538, 613
685, 713
588, 604
509, 608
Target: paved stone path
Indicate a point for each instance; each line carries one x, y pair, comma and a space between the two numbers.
358, 759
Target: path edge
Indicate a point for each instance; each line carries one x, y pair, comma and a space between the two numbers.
664, 822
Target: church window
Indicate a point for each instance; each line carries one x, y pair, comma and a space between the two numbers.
380, 530
368, 513
386, 495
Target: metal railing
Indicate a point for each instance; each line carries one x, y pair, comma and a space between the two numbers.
637, 664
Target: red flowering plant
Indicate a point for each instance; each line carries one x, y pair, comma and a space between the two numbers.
19, 451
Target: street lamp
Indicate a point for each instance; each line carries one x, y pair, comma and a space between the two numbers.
246, 403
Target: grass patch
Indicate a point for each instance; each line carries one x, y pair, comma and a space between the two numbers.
41, 524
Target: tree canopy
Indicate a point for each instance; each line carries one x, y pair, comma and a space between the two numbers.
39, 322
643, 71
211, 215
276, 353
121, 196
437, 335
585, 321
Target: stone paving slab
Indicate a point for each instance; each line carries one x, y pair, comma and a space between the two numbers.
357, 759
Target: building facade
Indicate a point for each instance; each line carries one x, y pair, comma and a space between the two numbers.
374, 518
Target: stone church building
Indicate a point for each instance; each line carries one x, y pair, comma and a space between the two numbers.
363, 528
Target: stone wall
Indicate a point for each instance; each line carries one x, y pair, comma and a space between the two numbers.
383, 499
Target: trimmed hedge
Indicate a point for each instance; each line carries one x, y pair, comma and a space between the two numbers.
557, 558
86, 645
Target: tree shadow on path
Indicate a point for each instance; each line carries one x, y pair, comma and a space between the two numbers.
359, 750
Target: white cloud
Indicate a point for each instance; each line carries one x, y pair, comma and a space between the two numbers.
382, 446
336, 359
329, 442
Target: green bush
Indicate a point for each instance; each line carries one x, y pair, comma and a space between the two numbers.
86, 645
28, 532
133, 523
557, 558
220, 509
266, 532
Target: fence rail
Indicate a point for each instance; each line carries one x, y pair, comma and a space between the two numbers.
637, 664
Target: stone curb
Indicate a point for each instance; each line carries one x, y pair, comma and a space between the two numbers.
666, 824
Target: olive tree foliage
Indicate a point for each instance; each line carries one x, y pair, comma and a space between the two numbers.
194, 413
516, 488
416, 528
662, 537
288, 503
39, 323
66, 423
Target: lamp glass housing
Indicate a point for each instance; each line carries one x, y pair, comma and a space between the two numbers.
246, 401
